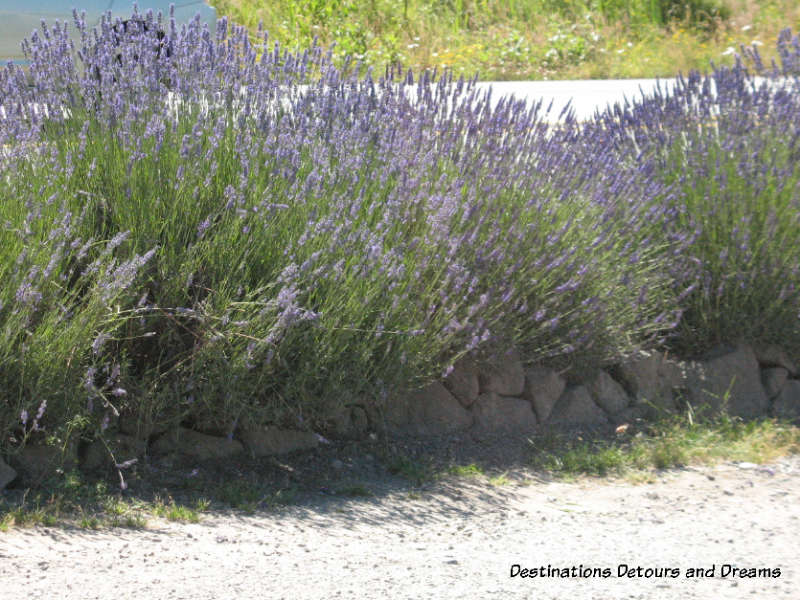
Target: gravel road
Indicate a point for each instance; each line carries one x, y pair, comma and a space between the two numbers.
454, 538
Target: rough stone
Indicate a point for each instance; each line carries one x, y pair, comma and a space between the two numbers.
7, 475
651, 378
350, 422
427, 412
770, 355
35, 464
576, 407
787, 404
195, 444
272, 440
125, 447
774, 379
732, 372
543, 388
503, 375
133, 426
462, 381
503, 413
359, 419
608, 394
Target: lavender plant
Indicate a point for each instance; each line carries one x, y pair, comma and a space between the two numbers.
238, 235
727, 144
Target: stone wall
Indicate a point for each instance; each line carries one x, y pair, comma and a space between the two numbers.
502, 395
741, 381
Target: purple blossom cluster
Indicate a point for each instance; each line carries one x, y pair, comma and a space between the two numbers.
229, 233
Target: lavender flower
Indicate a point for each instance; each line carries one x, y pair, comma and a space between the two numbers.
99, 341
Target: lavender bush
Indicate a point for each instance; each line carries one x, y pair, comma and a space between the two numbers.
229, 234
728, 144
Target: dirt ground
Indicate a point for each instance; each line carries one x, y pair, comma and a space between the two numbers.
449, 537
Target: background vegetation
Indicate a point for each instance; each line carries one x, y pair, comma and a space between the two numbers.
526, 39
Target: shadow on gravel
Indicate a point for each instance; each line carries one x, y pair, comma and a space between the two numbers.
356, 481
420, 481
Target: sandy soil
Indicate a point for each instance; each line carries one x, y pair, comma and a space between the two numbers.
454, 538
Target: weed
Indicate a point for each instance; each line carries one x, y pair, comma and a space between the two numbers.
671, 443
414, 471
470, 470
500, 480
173, 511
239, 494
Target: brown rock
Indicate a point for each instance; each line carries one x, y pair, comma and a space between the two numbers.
124, 448
462, 382
543, 388
430, 411
651, 378
608, 394
503, 375
728, 380
351, 422
271, 440
770, 355
7, 475
38, 463
503, 413
774, 379
195, 444
576, 407
787, 404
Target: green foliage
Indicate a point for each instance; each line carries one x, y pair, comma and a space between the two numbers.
239, 494
414, 470
470, 470
749, 243
673, 442
701, 13
508, 39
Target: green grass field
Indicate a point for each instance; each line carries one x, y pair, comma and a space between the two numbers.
526, 39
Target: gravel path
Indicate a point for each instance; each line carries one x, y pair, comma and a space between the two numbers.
456, 538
